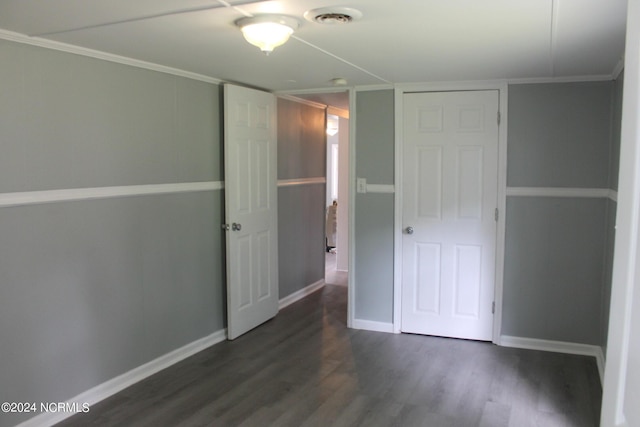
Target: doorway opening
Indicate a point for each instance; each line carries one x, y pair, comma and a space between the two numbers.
337, 183
336, 227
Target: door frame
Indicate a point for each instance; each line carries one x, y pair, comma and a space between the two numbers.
399, 92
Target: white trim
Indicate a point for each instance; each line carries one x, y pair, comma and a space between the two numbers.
303, 101
301, 181
105, 56
370, 325
298, 295
119, 383
451, 86
613, 195
557, 347
338, 112
351, 275
619, 386
618, 69
331, 109
491, 84
380, 188
294, 92
368, 88
91, 53
397, 210
567, 79
73, 194
601, 362
502, 209
502, 87
597, 193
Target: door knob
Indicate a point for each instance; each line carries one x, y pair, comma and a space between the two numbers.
236, 227
409, 230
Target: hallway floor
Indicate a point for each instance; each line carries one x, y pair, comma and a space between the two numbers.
331, 275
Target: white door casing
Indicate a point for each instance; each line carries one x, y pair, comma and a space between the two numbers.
450, 194
250, 154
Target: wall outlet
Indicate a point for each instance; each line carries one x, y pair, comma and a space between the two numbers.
361, 185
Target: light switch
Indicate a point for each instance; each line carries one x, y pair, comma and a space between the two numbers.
361, 185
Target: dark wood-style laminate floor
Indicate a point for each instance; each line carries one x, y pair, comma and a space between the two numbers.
305, 368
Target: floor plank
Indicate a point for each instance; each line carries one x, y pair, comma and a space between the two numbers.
305, 368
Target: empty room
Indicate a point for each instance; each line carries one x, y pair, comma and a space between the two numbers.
308, 213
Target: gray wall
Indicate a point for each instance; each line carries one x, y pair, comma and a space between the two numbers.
614, 165
559, 135
554, 257
555, 276
92, 289
301, 208
373, 263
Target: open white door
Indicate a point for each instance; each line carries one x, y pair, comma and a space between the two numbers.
450, 183
250, 154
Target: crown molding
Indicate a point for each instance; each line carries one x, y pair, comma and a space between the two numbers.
293, 98
96, 54
338, 112
564, 79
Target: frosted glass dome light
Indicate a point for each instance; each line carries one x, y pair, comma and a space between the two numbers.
267, 31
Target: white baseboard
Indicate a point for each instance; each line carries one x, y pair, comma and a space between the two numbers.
298, 295
557, 347
370, 325
114, 385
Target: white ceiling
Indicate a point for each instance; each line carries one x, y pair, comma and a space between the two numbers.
396, 41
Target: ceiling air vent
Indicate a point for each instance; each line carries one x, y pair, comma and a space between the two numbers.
333, 15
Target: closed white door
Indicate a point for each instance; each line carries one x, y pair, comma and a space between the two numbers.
251, 208
450, 181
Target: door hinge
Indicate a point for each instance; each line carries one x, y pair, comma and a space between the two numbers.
493, 307
499, 118
496, 214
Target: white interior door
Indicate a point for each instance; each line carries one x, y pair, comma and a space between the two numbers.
251, 208
450, 181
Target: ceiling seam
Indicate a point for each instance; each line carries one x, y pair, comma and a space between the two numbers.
344, 61
236, 8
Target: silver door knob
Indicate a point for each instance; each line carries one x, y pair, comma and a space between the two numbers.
236, 227
409, 230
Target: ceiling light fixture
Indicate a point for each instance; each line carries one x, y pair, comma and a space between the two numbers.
332, 131
267, 31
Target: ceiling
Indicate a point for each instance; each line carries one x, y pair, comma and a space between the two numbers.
395, 41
